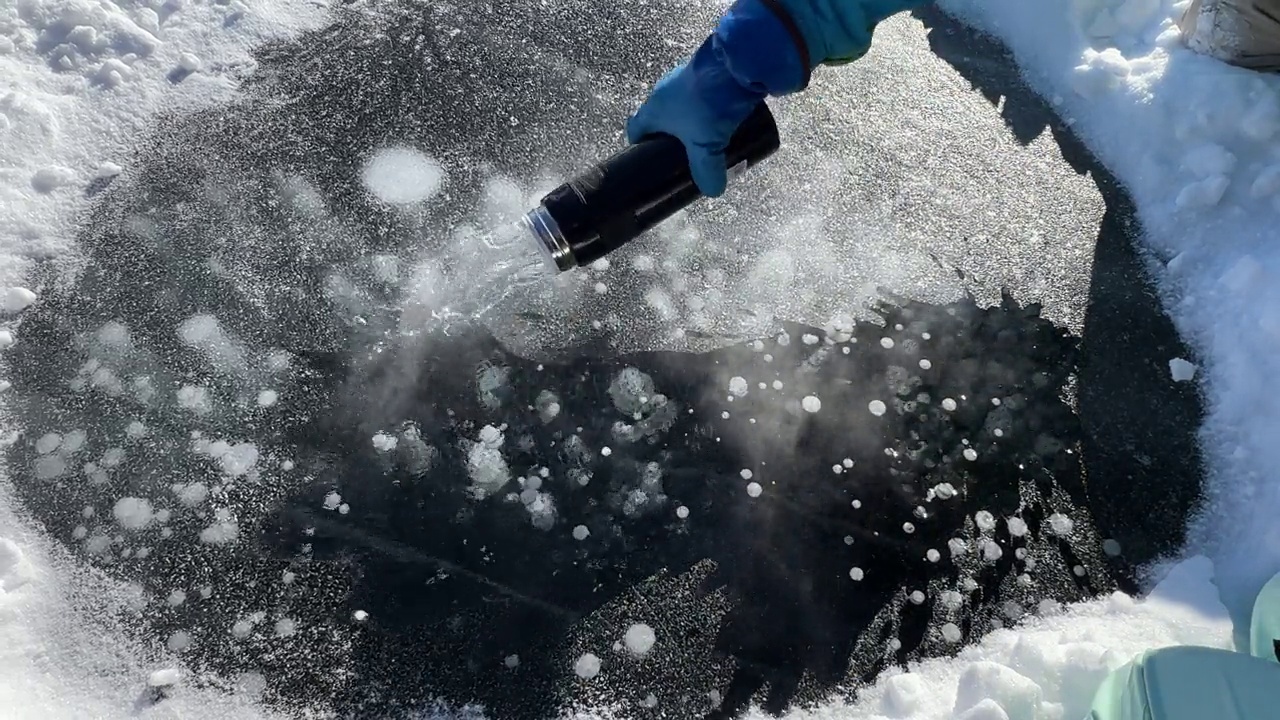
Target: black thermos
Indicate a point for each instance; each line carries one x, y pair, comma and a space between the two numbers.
616, 201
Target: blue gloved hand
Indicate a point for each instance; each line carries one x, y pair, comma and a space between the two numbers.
703, 101
760, 48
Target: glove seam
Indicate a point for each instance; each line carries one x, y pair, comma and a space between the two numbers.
797, 37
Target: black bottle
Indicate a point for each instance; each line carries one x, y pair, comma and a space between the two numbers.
616, 201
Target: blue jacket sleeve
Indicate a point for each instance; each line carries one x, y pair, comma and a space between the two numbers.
774, 45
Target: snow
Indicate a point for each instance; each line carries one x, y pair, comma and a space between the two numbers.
1050, 664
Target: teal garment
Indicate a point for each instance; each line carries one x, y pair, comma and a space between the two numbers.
1190, 683
837, 32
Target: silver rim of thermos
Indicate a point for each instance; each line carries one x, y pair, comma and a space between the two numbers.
550, 240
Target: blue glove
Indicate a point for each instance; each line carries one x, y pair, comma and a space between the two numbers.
760, 48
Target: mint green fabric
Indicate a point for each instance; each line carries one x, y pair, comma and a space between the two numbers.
1264, 630
1190, 683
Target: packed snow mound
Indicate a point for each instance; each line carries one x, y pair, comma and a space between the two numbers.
64, 649
1194, 141
1049, 666
83, 77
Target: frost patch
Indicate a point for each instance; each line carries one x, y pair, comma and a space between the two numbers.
223, 531
235, 460
133, 513
402, 176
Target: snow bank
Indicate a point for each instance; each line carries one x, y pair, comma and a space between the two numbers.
1049, 667
1194, 140
64, 651
80, 80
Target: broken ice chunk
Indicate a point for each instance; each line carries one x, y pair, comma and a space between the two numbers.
1181, 370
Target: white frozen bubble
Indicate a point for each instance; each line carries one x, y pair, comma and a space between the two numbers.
48, 443
402, 176
738, 386
286, 627
856, 574
948, 404
587, 666
1061, 524
639, 639
811, 404
754, 489
267, 398
877, 407
178, 641
133, 513
991, 550
746, 474
581, 532
985, 521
